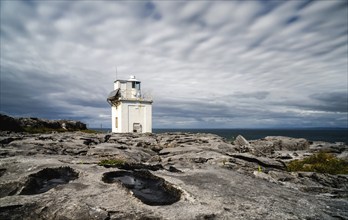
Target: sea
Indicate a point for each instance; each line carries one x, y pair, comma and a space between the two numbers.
312, 134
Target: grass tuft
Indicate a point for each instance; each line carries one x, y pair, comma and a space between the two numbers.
320, 163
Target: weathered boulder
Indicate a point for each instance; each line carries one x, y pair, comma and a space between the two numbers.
288, 143
241, 141
269, 145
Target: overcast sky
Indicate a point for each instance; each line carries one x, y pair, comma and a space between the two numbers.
228, 64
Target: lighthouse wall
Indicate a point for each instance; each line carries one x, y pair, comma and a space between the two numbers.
131, 116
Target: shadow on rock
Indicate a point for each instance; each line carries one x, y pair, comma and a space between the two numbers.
147, 187
47, 179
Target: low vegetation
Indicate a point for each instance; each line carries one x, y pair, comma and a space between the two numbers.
321, 163
88, 131
40, 130
112, 162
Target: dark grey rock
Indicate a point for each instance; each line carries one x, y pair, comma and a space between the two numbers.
8, 123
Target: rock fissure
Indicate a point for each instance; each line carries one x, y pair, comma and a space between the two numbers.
265, 162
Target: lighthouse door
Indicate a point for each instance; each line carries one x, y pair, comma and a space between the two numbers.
137, 128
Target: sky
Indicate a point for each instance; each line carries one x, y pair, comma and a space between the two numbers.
221, 64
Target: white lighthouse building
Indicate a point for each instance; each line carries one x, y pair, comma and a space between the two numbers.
131, 112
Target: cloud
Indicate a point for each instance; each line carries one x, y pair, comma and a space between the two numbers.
334, 101
256, 95
207, 64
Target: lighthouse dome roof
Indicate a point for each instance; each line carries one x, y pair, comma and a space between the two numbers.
133, 79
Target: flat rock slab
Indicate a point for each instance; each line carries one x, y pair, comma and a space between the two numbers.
213, 182
179, 150
217, 192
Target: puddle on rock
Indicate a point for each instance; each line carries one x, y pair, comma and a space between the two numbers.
134, 166
47, 179
150, 189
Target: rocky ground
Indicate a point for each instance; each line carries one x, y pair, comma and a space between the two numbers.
193, 176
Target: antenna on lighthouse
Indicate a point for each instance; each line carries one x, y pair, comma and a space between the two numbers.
116, 73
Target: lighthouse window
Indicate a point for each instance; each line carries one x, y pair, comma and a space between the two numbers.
136, 85
116, 122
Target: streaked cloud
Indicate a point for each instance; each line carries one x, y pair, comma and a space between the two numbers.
207, 64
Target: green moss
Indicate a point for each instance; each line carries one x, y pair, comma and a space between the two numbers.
320, 163
112, 162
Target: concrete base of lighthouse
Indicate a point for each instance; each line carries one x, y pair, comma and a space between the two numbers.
138, 116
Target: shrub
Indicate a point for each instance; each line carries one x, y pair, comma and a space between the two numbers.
320, 163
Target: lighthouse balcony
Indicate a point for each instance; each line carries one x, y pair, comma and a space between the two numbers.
136, 99
117, 96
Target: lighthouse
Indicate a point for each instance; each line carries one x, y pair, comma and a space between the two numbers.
131, 111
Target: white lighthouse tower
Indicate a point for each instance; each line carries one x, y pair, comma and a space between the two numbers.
131, 112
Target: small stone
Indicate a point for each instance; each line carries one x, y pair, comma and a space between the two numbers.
241, 141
